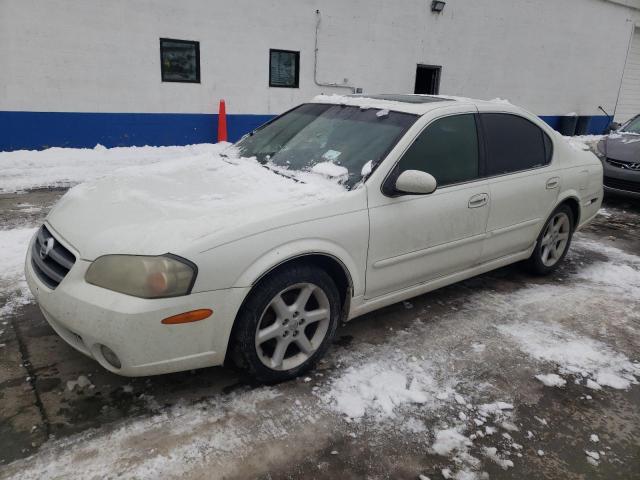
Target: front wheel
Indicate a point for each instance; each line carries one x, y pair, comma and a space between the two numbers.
553, 242
287, 323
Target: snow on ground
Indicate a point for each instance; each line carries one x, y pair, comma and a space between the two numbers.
13, 286
551, 380
378, 389
574, 355
621, 270
64, 167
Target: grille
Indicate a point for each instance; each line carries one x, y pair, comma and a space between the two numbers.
618, 184
51, 261
624, 165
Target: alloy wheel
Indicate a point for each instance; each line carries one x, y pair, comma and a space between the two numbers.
555, 239
293, 326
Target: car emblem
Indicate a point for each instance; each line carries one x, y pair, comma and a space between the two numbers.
46, 248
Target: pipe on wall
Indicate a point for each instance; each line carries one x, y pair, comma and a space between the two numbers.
315, 63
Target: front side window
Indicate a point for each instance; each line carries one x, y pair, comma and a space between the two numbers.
284, 68
180, 60
514, 144
447, 149
313, 133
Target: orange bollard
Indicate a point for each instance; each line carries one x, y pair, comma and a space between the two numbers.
222, 122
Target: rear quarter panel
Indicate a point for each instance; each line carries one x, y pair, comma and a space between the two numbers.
580, 176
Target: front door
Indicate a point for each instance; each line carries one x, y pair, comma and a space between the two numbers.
417, 238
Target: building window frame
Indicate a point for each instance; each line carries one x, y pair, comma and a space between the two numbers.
163, 72
296, 83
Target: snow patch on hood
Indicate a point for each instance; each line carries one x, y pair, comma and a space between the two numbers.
155, 208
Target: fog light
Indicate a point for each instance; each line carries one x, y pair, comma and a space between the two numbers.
110, 356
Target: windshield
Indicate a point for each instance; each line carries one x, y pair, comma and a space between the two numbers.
334, 140
633, 126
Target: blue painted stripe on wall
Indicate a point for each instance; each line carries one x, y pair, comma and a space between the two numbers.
39, 130
596, 125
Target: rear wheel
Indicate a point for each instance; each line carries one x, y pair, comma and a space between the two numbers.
287, 323
553, 242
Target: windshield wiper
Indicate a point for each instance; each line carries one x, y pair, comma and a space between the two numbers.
278, 172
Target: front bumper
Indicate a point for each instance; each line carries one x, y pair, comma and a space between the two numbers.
87, 316
621, 181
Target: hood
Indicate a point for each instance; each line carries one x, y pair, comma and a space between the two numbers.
623, 146
168, 206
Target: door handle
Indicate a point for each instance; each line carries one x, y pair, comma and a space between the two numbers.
478, 200
553, 182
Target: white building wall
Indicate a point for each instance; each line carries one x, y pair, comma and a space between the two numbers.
550, 56
629, 98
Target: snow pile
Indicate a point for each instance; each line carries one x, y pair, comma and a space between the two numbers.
367, 168
551, 380
331, 170
455, 443
576, 144
63, 167
593, 457
582, 142
378, 389
574, 355
452, 443
81, 382
449, 440
492, 454
13, 286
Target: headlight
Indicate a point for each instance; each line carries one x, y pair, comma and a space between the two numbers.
142, 276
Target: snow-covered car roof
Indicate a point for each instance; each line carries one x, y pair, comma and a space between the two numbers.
408, 103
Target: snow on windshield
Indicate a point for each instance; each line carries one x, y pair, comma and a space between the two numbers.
333, 140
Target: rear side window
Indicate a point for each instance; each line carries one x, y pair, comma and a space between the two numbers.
513, 144
447, 149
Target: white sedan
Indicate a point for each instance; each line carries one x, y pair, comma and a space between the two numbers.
334, 209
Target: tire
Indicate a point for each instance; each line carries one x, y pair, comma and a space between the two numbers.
553, 242
275, 320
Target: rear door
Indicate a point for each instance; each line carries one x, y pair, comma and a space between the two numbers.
416, 238
522, 182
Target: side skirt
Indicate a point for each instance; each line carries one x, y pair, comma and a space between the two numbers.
360, 306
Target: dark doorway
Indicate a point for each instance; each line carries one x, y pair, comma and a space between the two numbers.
428, 79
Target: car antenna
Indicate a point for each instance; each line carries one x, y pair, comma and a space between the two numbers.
608, 117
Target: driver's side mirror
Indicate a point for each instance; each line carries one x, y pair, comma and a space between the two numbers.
612, 127
415, 182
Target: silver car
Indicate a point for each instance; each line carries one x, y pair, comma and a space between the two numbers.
620, 155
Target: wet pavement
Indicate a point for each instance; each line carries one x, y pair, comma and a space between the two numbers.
49, 391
